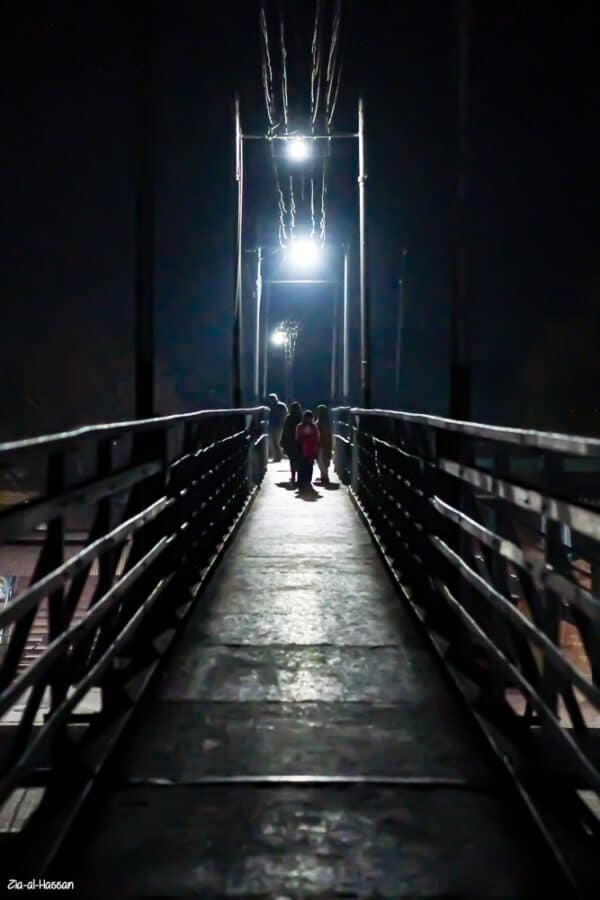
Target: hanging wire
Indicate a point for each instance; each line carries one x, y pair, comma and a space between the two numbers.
267, 78
323, 225
267, 69
316, 71
335, 34
292, 208
335, 97
332, 62
284, 78
333, 80
267, 98
325, 81
280, 205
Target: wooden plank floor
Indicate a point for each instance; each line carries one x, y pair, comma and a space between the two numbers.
299, 660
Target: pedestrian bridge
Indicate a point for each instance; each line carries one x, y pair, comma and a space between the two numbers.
211, 686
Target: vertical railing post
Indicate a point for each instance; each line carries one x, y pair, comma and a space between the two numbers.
354, 429
55, 543
257, 460
593, 642
251, 460
551, 531
265, 441
146, 447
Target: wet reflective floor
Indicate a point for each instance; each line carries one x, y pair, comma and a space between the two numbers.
302, 742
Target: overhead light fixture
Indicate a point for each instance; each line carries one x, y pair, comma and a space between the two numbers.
304, 252
279, 338
298, 148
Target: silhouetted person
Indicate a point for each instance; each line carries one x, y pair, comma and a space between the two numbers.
278, 412
288, 437
326, 441
307, 438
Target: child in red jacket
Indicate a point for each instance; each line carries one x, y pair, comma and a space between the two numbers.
308, 440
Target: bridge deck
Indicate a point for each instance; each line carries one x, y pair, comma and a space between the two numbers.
299, 660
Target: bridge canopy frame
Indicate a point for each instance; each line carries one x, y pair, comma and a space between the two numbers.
364, 293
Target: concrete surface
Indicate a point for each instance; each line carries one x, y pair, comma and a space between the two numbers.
299, 660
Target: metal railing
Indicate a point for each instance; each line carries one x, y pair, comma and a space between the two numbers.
493, 538
123, 523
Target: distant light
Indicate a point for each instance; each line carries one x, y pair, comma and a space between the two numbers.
298, 149
279, 338
304, 252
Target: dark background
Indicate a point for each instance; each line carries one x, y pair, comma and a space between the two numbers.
67, 277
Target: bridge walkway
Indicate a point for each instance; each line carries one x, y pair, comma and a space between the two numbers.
301, 741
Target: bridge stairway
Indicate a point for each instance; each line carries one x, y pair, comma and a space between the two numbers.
301, 740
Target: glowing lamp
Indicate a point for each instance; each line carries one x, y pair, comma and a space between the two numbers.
304, 252
279, 338
297, 149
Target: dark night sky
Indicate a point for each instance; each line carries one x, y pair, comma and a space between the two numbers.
67, 204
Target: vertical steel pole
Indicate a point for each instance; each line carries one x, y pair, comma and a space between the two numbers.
237, 311
287, 381
266, 339
460, 349
257, 333
334, 347
365, 310
345, 353
144, 217
339, 369
400, 318
460, 387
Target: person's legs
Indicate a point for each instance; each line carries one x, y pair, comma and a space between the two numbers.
322, 467
304, 469
277, 454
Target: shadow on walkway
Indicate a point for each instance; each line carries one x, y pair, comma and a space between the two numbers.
309, 496
289, 486
286, 484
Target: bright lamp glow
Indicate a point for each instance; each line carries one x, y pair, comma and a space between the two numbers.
297, 149
304, 252
279, 338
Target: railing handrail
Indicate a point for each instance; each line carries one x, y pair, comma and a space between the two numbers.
106, 430
154, 505
504, 578
579, 445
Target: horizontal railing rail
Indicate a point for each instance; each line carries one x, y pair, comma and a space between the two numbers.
151, 503
493, 535
541, 440
64, 439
